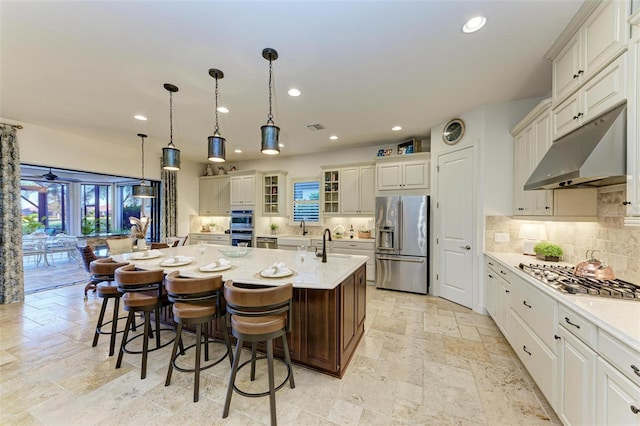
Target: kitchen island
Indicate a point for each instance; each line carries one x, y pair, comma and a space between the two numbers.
329, 299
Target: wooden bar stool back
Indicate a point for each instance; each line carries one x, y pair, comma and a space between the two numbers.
142, 292
259, 315
196, 301
103, 275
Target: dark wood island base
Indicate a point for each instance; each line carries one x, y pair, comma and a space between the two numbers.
327, 325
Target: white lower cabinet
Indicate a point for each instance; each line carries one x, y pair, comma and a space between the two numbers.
498, 296
617, 397
361, 248
577, 378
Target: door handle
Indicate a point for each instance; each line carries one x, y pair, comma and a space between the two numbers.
466, 247
395, 259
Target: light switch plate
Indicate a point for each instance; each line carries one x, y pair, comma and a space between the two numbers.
502, 237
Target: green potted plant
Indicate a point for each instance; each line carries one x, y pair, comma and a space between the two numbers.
548, 251
30, 223
274, 228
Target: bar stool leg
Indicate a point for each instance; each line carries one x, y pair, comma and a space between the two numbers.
272, 391
232, 378
174, 353
254, 346
196, 387
103, 308
206, 341
227, 340
114, 325
285, 346
124, 338
145, 342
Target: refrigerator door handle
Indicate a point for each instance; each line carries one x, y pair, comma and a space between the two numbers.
400, 224
385, 248
398, 259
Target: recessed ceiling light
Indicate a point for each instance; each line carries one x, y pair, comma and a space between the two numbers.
294, 92
396, 128
474, 24
140, 117
223, 110
333, 137
281, 145
237, 151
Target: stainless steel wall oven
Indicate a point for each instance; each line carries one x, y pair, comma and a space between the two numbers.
242, 227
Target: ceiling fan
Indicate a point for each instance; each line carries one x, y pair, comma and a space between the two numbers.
51, 177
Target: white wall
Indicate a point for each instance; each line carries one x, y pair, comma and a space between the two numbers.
48, 147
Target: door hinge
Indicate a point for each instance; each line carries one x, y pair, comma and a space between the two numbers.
437, 277
437, 204
437, 168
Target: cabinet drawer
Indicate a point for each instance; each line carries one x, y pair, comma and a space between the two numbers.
353, 245
620, 355
537, 310
541, 363
500, 270
220, 239
578, 326
195, 238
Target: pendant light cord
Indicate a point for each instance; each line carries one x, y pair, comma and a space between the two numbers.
270, 116
171, 119
216, 129
142, 137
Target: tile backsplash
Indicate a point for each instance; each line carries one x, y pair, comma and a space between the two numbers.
617, 245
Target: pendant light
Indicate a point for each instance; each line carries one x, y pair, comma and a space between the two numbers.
216, 142
143, 190
270, 131
170, 154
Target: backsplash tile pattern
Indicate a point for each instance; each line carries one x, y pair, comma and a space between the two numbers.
618, 246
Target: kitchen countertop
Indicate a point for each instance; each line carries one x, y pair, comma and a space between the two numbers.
620, 318
312, 237
311, 274
209, 233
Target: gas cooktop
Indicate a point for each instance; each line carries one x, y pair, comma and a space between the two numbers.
563, 279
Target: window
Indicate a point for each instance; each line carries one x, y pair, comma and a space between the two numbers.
96, 209
44, 206
306, 201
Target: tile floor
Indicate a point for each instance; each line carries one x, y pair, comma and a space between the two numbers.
423, 360
60, 272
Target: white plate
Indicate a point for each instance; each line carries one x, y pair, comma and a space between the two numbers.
216, 269
141, 256
170, 265
276, 275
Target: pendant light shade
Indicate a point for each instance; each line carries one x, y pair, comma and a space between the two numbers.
270, 131
170, 154
216, 143
143, 190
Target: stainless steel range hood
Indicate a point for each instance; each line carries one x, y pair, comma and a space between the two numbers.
595, 154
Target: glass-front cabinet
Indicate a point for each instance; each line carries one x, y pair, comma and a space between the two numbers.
331, 191
274, 193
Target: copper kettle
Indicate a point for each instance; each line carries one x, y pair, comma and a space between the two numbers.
594, 268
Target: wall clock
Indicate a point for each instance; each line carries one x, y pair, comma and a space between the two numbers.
453, 131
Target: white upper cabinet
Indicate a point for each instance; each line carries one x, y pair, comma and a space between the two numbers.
357, 193
532, 139
598, 41
243, 190
274, 193
403, 175
214, 196
633, 125
603, 92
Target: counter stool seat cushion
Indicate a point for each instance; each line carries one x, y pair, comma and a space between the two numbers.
188, 310
259, 325
139, 300
107, 290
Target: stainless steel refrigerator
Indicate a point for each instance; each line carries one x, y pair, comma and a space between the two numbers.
402, 243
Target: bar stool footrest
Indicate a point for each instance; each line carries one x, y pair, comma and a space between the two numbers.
155, 348
211, 364
255, 395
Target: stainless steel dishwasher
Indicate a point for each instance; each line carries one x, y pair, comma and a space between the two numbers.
267, 242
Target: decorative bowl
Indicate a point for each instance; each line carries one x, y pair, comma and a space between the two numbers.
234, 251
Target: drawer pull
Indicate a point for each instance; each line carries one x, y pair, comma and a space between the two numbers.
555, 336
503, 272
635, 370
524, 302
507, 291
524, 348
568, 321
490, 276
634, 410
491, 264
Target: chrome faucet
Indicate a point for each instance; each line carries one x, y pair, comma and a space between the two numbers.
303, 225
324, 244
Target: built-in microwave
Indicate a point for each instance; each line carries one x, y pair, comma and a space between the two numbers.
241, 220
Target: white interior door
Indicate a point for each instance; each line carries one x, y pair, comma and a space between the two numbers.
455, 211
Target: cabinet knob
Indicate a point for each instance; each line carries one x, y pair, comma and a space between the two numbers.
575, 117
580, 114
555, 336
547, 207
507, 291
580, 72
575, 76
635, 370
626, 203
634, 410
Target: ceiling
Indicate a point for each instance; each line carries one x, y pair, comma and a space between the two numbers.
363, 66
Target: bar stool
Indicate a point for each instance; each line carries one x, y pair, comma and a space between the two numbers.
102, 274
143, 292
196, 301
259, 315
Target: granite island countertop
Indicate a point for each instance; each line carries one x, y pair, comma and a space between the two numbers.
312, 273
620, 318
